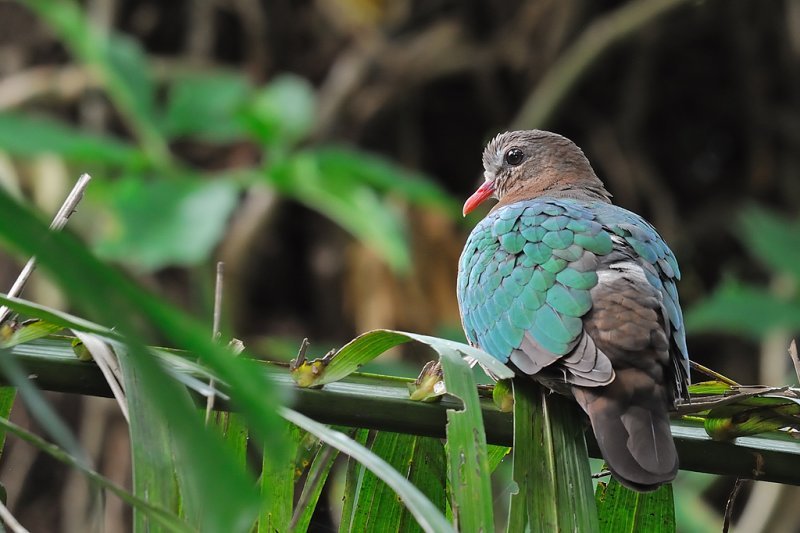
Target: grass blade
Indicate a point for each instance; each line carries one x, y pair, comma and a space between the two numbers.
467, 456
352, 483
622, 510
426, 514
233, 430
152, 451
315, 481
277, 483
7, 396
234, 506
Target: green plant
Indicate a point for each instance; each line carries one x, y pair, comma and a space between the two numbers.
356, 190
753, 311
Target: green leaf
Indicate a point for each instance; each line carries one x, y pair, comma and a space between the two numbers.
370, 345
751, 416
153, 455
386, 177
233, 430
377, 507
128, 76
421, 461
312, 489
772, 239
165, 438
744, 310
468, 469
551, 464
206, 106
352, 188
124, 305
496, 455
120, 64
503, 396
282, 112
7, 396
622, 510
355, 206
28, 331
277, 483
353, 476
56, 318
192, 217
159, 516
27, 136
39, 408
425, 512
427, 472
708, 388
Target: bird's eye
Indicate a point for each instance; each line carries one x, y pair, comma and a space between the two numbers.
514, 157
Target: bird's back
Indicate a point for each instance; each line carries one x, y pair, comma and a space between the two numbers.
583, 292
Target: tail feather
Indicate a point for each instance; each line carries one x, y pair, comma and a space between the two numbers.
632, 429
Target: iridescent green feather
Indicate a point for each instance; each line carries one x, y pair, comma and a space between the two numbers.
522, 272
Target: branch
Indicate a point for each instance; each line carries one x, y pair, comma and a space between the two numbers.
381, 402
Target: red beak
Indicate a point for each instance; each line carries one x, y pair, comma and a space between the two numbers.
477, 198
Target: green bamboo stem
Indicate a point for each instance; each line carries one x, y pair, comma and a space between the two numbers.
381, 402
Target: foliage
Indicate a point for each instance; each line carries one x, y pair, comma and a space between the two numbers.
624, 510
363, 194
171, 470
352, 188
744, 309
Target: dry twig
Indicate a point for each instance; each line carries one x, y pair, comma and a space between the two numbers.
10, 521
58, 223
726, 524
795, 358
215, 333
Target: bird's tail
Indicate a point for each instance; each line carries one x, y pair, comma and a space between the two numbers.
630, 421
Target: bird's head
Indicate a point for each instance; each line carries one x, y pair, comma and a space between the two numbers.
519, 165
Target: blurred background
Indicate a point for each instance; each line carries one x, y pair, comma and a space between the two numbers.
322, 150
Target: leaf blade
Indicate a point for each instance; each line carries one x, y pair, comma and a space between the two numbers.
551, 464
623, 510
467, 454
426, 514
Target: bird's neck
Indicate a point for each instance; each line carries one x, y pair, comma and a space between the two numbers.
588, 191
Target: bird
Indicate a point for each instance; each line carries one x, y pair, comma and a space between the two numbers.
579, 294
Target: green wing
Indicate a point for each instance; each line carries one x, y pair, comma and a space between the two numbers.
525, 275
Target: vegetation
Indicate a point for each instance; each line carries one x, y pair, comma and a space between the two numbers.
223, 441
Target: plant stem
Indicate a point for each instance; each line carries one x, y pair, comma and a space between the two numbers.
58, 223
381, 402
